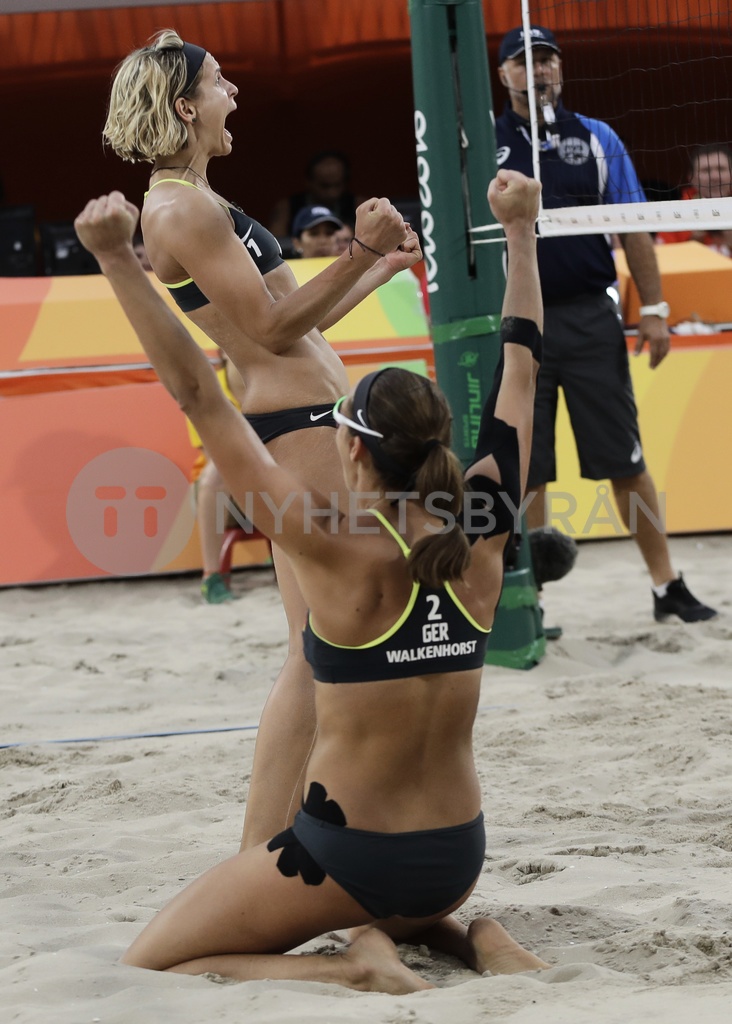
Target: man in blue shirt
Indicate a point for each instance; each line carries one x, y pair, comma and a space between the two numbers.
583, 162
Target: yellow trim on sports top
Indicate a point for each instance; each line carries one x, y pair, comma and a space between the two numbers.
178, 181
463, 609
406, 551
402, 618
190, 184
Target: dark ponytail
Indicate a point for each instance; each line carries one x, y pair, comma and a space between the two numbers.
414, 454
444, 555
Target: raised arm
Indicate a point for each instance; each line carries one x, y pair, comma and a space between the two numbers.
274, 497
383, 270
497, 477
514, 200
206, 249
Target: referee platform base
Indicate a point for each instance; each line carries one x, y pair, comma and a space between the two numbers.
517, 639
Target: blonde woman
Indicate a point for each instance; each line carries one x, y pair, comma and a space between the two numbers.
168, 106
391, 832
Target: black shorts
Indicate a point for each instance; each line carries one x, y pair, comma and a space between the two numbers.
585, 355
269, 425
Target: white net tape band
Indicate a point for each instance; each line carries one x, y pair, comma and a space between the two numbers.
622, 218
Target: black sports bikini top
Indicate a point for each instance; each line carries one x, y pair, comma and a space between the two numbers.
434, 633
263, 247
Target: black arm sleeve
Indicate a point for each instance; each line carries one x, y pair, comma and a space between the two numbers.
489, 507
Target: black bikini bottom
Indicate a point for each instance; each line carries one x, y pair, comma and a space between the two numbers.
405, 874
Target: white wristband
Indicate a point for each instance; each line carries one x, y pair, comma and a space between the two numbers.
661, 309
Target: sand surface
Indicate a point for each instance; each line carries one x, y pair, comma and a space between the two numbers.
606, 773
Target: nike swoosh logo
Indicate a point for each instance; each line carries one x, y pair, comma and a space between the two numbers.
319, 416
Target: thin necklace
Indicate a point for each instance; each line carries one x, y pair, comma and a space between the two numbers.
181, 167
156, 170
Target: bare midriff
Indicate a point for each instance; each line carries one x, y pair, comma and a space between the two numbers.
308, 373
397, 755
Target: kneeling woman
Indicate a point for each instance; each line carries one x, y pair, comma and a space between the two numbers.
401, 605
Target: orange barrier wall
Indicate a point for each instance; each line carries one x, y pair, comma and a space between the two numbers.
94, 479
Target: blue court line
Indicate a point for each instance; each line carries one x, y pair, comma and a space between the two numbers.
132, 736
183, 732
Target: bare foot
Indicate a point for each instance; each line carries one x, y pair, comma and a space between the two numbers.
373, 965
497, 952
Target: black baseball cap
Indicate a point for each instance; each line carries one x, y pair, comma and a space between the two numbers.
311, 216
513, 42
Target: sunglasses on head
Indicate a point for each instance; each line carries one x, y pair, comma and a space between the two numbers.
341, 418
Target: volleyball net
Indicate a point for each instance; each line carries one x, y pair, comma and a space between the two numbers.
659, 74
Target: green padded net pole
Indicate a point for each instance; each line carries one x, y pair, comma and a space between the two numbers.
456, 159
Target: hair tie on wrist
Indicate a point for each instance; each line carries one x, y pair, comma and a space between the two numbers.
364, 248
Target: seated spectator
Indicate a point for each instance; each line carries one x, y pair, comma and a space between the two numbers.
326, 184
342, 238
138, 245
313, 232
710, 178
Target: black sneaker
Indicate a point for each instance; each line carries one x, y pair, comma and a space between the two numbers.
679, 600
